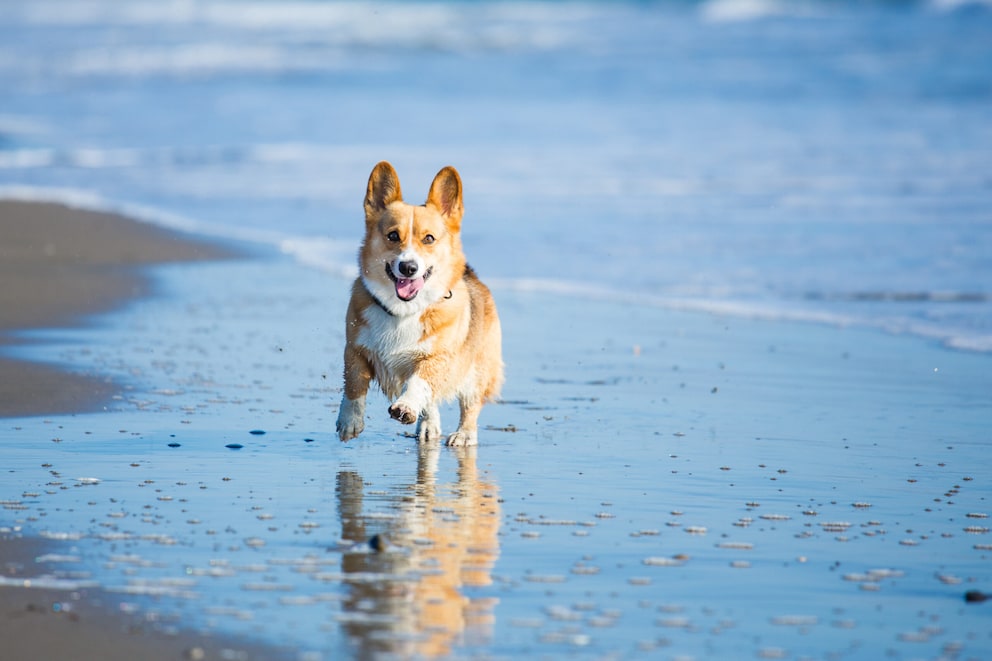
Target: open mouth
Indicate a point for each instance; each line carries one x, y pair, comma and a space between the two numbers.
408, 288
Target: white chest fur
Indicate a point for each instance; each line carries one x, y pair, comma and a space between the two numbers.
395, 343
386, 335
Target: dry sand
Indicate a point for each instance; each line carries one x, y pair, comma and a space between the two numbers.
59, 265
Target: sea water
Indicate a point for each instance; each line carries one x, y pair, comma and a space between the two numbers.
810, 160
655, 483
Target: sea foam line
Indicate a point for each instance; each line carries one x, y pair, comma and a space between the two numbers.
337, 257
761, 311
316, 252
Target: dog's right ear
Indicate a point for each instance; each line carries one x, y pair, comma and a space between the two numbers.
383, 189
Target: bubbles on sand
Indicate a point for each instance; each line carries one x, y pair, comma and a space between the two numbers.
795, 620
737, 546
553, 542
657, 561
835, 526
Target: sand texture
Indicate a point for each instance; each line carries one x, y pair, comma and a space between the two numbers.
58, 266
654, 484
79, 623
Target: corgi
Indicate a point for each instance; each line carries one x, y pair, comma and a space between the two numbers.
420, 322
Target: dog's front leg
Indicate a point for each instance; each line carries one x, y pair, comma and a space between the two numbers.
429, 425
417, 397
351, 418
357, 376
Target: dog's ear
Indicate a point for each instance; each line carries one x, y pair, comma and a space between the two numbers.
446, 196
383, 188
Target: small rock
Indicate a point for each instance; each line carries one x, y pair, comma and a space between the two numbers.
378, 543
976, 596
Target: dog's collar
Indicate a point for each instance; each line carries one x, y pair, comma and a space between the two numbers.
377, 301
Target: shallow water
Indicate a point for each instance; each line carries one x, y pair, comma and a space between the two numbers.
657, 482
788, 160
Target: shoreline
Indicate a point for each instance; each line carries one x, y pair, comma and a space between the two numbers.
79, 622
713, 456
61, 265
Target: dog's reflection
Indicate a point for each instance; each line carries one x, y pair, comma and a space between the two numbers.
407, 590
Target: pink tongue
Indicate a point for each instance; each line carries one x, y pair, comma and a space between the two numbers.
407, 289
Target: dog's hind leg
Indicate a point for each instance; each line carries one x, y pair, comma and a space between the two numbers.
429, 425
467, 432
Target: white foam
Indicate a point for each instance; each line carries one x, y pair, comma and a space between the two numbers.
25, 159
749, 10
333, 256
321, 26
70, 197
46, 583
329, 255
194, 59
337, 257
954, 5
89, 201
952, 338
57, 558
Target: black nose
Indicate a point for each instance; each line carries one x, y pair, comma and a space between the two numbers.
407, 269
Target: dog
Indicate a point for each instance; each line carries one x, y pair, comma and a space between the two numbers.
420, 322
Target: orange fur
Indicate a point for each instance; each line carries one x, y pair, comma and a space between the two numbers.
420, 322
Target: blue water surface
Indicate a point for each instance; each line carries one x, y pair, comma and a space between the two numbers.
656, 482
814, 160
653, 484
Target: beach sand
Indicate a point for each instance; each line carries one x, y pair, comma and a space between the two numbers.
84, 623
654, 483
59, 266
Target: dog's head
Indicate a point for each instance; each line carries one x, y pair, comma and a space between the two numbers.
411, 255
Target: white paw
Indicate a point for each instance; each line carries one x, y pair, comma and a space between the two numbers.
351, 419
429, 427
462, 438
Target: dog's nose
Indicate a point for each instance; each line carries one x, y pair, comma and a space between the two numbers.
408, 269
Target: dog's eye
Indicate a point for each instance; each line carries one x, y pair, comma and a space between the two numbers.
429, 239
393, 236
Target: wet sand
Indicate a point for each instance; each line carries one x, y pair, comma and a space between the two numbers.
59, 266
654, 484
84, 623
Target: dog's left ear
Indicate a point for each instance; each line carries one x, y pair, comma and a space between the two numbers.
446, 196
